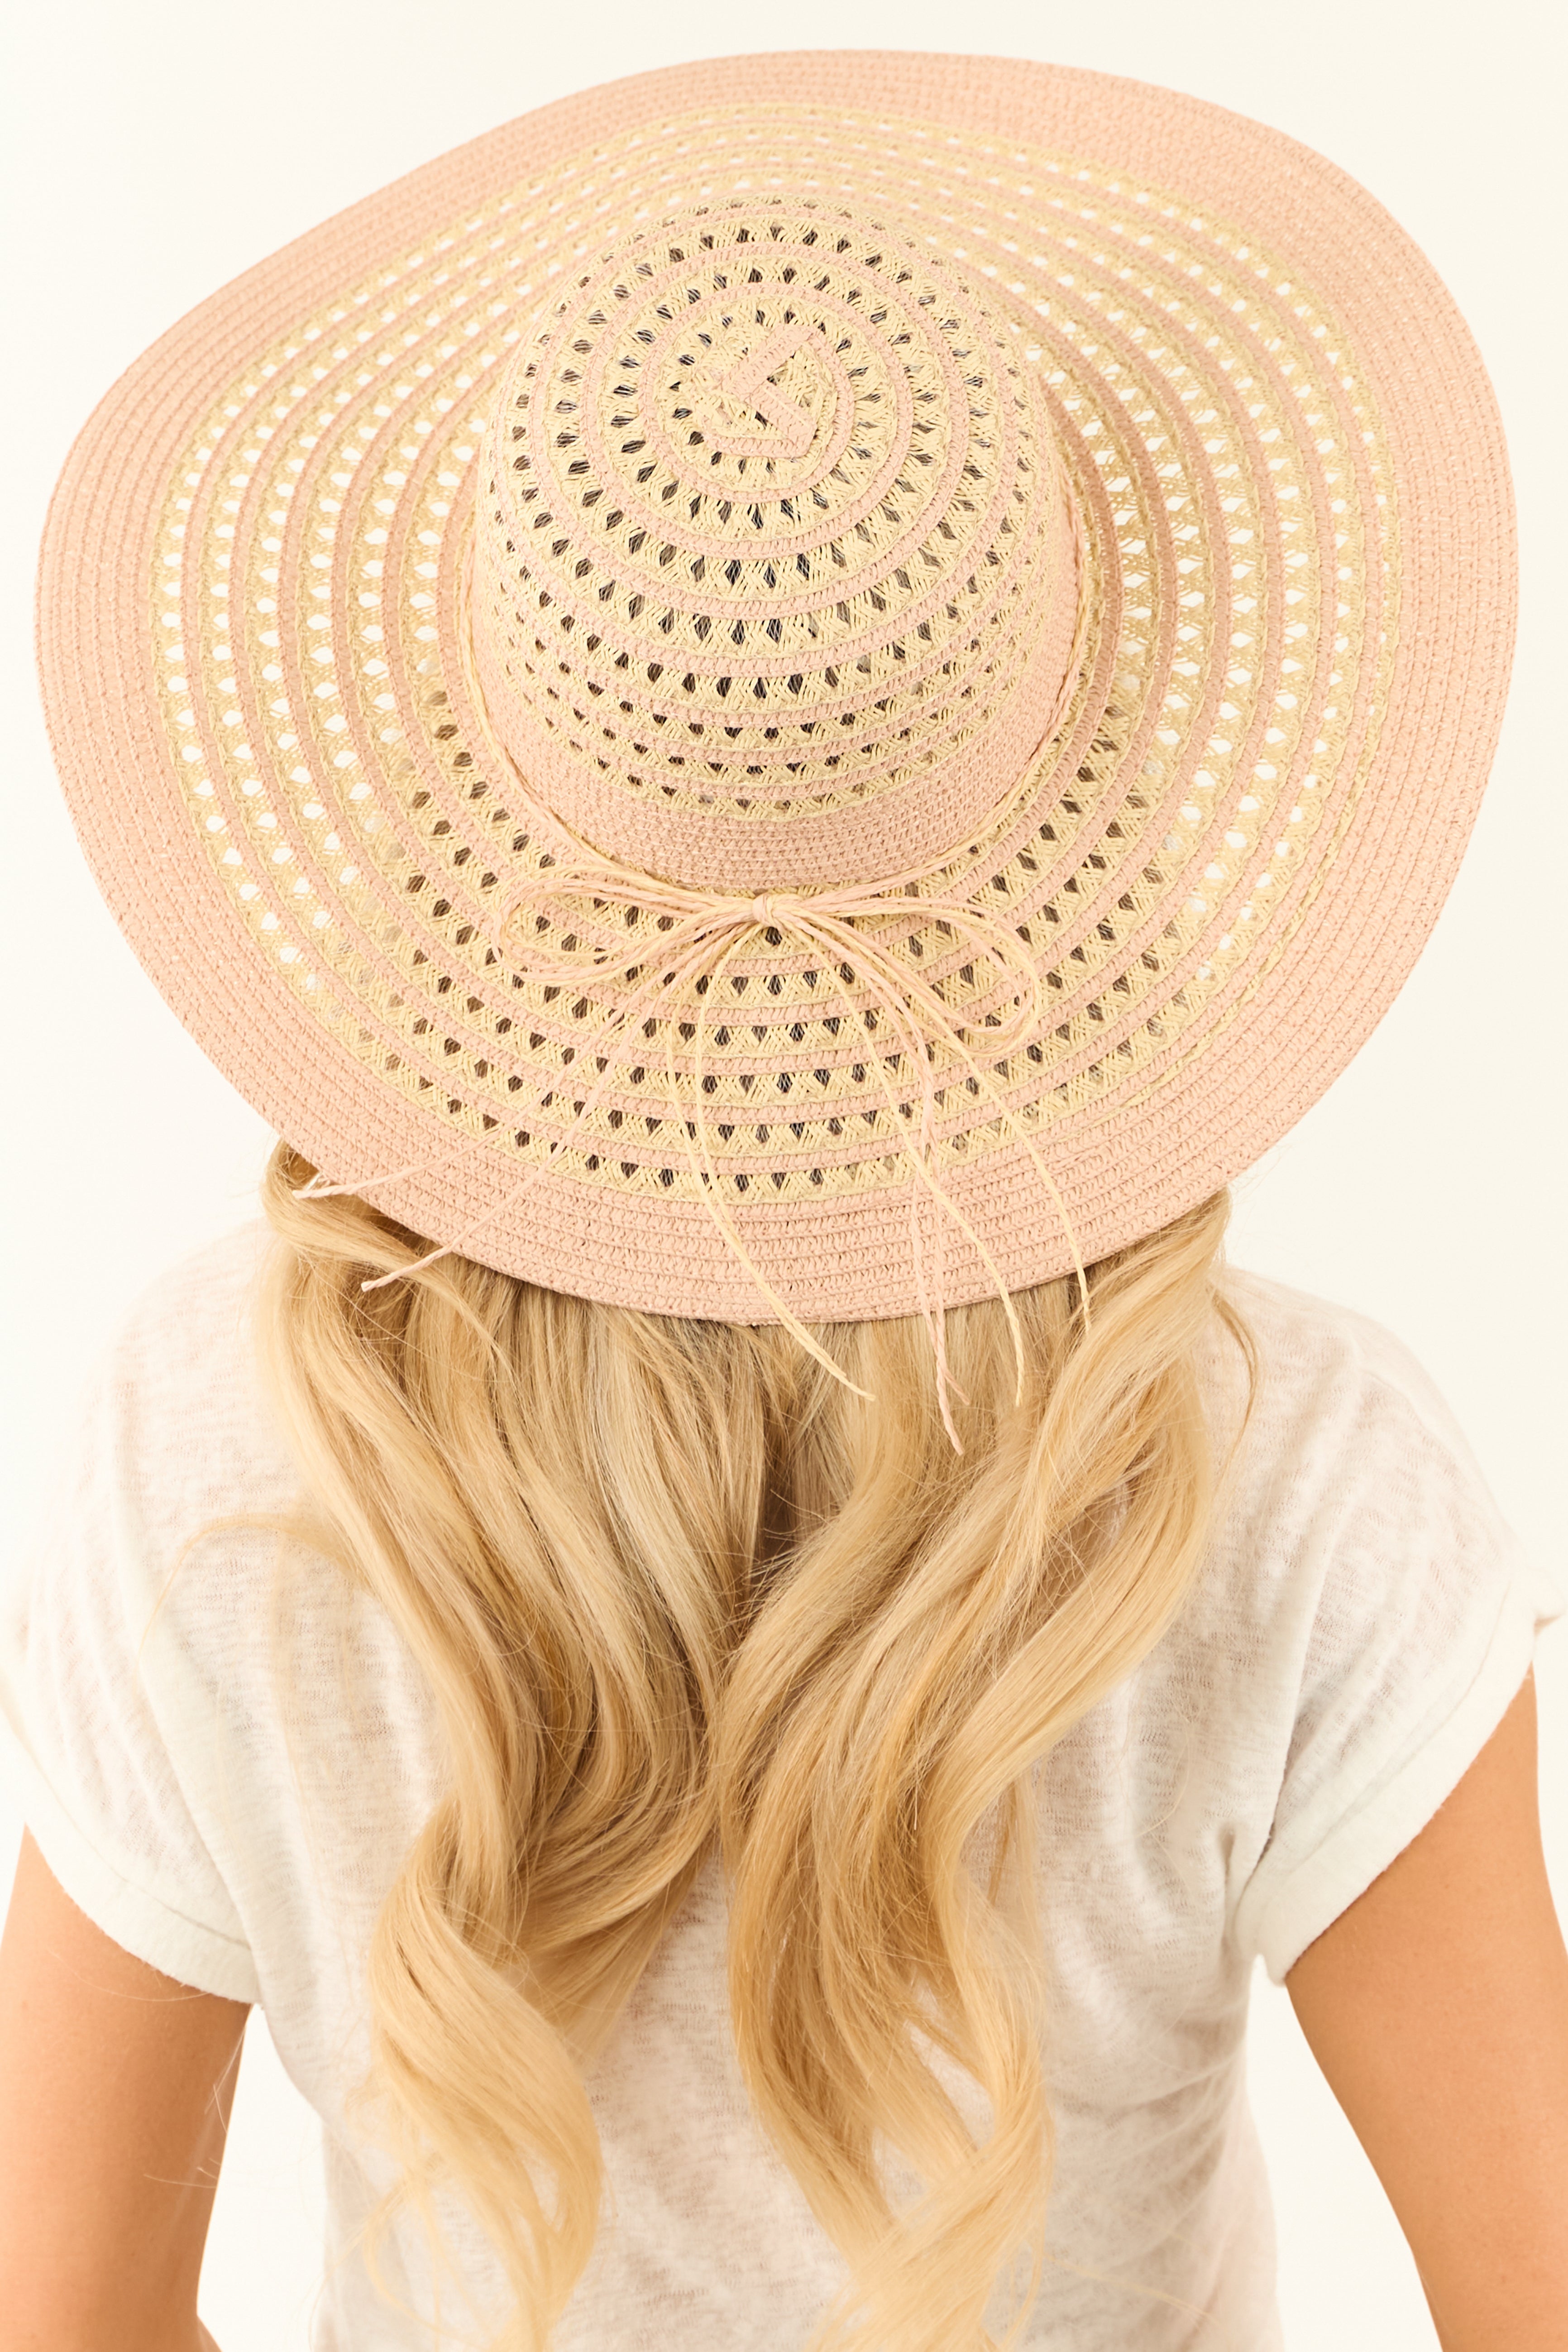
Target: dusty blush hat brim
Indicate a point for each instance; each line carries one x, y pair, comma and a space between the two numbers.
1115, 215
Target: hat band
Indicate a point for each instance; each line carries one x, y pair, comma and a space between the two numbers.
724, 847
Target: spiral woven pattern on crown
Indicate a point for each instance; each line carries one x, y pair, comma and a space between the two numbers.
771, 526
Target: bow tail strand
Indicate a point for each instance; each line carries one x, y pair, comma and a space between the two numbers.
894, 991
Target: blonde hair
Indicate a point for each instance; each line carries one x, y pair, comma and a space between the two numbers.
672, 1584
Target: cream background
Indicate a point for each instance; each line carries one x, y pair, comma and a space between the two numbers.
157, 147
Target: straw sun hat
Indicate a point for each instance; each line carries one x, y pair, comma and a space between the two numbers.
795, 686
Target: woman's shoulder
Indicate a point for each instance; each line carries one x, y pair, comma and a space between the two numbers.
134, 1617
168, 1433
1368, 1614
1323, 1368
1350, 1494
178, 1383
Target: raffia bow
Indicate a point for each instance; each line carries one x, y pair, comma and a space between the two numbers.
706, 931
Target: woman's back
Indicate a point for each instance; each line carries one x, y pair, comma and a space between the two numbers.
1360, 1617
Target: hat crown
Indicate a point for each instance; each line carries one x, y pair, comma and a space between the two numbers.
774, 576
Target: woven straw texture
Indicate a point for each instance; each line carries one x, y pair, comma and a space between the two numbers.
1062, 507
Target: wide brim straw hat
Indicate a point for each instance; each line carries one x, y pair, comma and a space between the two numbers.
797, 685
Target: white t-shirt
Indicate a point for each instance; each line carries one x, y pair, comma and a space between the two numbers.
1364, 1618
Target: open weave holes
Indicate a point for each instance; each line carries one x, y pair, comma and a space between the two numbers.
772, 527
765, 602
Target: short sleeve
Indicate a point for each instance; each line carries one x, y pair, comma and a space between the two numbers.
95, 1708
1424, 1616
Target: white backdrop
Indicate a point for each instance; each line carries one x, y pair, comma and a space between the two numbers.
158, 147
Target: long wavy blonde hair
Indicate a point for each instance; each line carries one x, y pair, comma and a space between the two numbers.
672, 1584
